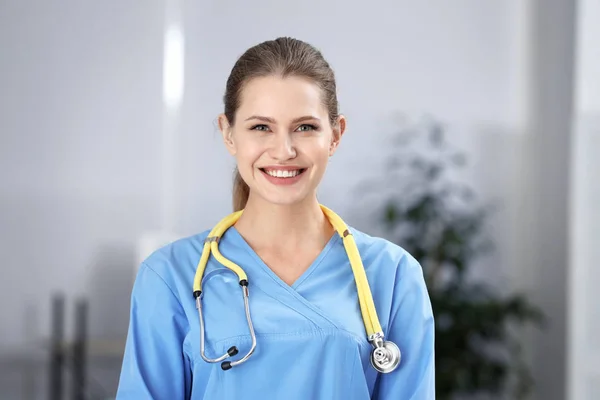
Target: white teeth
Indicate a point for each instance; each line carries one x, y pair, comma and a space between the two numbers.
283, 174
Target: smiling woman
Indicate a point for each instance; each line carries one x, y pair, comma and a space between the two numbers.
336, 313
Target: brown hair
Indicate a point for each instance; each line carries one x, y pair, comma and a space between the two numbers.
284, 57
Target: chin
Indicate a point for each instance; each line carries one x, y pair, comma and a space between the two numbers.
286, 199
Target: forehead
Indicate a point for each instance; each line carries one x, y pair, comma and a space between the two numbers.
281, 98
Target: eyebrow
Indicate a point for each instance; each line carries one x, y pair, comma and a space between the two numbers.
272, 121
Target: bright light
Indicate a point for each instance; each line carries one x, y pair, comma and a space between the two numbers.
173, 67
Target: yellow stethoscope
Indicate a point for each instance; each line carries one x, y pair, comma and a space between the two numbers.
385, 356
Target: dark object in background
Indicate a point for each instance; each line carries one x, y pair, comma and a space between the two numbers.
439, 222
68, 360
57, 355
79, 351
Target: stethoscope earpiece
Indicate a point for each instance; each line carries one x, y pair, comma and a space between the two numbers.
232, 351
225, 365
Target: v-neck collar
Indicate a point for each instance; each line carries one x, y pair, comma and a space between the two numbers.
313, 266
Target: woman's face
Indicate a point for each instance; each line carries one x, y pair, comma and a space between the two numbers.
282, 138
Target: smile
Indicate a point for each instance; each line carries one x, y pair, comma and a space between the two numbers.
284, 176
286, 173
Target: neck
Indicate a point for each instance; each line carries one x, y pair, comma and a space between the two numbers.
289, 227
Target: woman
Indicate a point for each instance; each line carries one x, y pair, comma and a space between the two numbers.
306, 337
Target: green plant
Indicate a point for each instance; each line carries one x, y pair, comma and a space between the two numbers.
439, 221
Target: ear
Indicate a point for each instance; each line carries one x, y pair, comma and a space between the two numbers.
227, 133
338, 131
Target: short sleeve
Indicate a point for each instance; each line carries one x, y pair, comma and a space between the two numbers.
154, 364
412, 328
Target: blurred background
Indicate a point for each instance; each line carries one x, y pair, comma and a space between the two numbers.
109, 148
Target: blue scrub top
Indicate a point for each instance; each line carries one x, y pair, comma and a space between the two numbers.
311, 341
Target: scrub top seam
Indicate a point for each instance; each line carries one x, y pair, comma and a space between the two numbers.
257, 285
395, 308
320, 331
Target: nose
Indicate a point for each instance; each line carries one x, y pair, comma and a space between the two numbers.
282, 147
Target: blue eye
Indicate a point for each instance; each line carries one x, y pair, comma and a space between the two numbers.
307, 127
260, 127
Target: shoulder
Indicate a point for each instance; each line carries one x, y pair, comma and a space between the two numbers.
176, 251
386, 255
174, 264
397, 280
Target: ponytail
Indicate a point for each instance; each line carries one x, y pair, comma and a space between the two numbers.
241, 191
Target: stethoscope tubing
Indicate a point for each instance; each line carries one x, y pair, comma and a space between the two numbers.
385, 356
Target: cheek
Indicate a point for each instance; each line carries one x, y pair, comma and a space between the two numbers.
247, 153
244, 147
320, 153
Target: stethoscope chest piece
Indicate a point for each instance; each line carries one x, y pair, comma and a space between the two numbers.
385, 356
